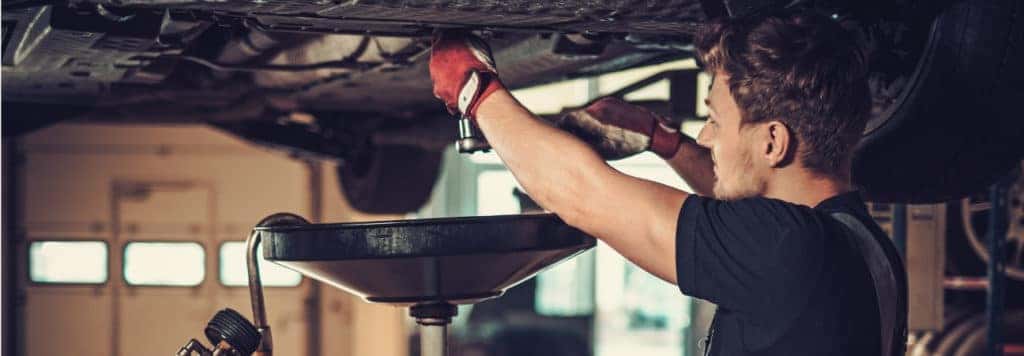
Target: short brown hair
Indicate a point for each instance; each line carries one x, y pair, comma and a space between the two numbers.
798, 67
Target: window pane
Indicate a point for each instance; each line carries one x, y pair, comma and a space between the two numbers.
233, 268
489, 157
567, 288
650, 167
82, 262
636, 313
494, 193
611, 82
164, 263
552, 98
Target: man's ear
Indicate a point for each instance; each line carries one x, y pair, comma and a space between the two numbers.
780, 144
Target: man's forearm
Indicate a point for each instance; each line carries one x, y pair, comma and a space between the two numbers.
564, 175
693, 163
537, 155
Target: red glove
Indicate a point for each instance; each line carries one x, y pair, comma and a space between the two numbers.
617, 129
463, 71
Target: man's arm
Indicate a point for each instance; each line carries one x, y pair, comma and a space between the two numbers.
634, 216
693, 163
617, 129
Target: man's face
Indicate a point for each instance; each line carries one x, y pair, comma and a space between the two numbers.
738, 173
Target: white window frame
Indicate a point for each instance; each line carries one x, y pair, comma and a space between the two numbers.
29, 258
124, 264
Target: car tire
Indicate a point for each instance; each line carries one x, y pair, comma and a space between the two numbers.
389, 179
957, 124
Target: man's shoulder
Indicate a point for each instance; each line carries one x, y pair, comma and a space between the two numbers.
763, 221
760, 204
760, 217
850, 212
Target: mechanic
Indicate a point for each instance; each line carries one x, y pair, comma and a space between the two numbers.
771, 169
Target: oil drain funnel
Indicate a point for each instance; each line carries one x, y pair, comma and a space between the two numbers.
429, 265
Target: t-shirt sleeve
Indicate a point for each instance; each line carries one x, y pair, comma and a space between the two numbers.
748, 255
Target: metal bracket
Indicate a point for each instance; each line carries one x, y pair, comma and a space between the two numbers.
998, 222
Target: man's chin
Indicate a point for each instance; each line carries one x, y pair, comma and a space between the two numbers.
723, 193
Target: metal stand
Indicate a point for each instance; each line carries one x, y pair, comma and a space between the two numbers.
433, 319
998, 225
899, 228
440, 260
259, 310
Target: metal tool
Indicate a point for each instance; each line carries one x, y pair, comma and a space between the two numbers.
470, 140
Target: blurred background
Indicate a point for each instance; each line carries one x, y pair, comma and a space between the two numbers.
144, 138
134, 236
127, 238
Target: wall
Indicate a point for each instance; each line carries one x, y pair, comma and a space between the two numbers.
125, 183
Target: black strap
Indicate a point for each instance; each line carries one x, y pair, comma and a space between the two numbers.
891, 306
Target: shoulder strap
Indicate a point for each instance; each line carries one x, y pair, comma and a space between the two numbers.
883, 274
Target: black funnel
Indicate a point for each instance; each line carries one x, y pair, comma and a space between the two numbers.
455, 260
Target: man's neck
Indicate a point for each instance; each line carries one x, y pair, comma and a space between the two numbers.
799, 186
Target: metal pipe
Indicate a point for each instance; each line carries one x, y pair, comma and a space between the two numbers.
433, 319
433, 340
998, 222
259, 310
250, 45
965, 283
899, 228
313, 299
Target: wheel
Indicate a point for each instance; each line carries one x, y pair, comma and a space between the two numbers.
1013, 332
389, 179
918, 346
974, 212
951, 125
230, 326
926, 345
951, 340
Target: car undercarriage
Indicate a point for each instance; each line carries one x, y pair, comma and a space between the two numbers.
231, 60
337, 79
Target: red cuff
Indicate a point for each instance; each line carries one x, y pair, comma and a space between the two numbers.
665, 140
491, 85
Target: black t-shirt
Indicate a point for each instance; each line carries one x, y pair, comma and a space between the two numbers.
784, 278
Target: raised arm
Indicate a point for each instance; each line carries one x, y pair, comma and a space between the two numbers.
618, 129
563, 174
693, 163
634, 216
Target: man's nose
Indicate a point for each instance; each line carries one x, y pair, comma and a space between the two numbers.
704, 137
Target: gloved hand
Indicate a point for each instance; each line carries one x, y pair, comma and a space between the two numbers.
463, 71
617, 129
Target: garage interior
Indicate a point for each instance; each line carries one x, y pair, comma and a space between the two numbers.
128, 226
184, 193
